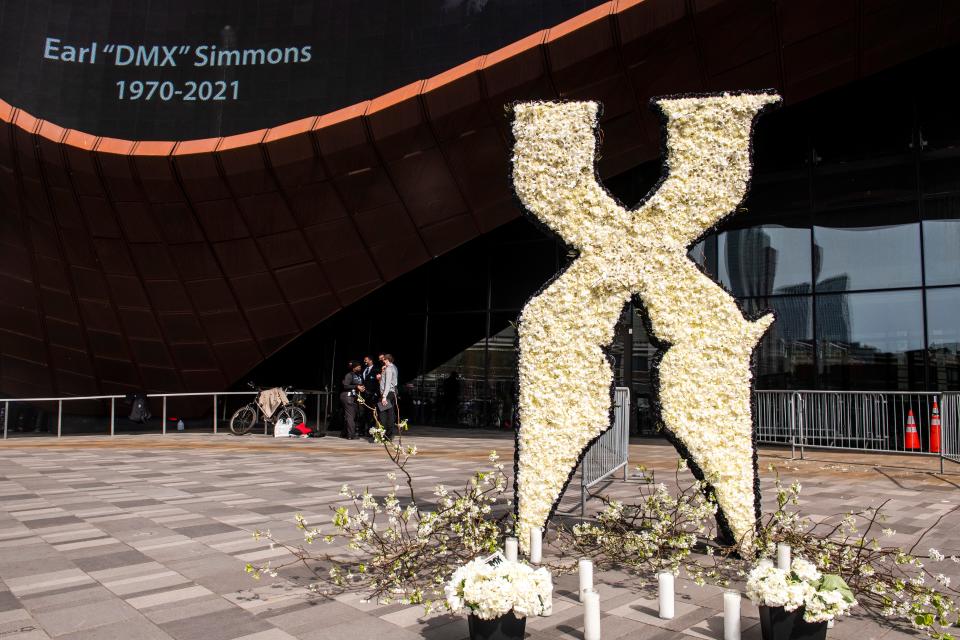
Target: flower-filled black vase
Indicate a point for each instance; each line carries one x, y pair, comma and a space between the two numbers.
506, 627
776, 623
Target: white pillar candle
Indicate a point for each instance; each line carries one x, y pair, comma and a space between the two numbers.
765, 563
510, 549
829, 624
783, 556
731, 615
536, 545
586, 575
665, 583
591, 615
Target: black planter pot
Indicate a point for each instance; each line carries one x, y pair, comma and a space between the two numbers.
776, 623
506, 627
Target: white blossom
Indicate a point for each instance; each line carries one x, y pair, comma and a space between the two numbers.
805, 570
490, 591
803, 586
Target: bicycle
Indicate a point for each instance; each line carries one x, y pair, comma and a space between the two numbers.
246, 417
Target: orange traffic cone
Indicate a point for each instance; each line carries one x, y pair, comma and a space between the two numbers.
910, 439
935, 428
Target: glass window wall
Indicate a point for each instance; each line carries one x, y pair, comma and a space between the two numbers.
943, 338
871, 341
765, 260
941, 240
871, 248
785, 355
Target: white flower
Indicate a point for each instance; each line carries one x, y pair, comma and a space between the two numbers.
489, 591
804, 569
705, 375
825, 605
801, 587
935, 555
773, 587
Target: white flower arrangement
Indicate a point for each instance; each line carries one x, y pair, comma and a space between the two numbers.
823, 597
490, 590
704, 374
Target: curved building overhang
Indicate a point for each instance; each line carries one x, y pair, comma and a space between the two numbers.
176, 266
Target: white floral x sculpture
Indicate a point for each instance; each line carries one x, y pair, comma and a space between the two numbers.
704, 374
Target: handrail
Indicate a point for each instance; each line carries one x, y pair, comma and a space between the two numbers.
163, 429
156, 395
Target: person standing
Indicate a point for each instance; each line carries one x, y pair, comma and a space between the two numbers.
370, 394
352, 385
388, 396
383, 363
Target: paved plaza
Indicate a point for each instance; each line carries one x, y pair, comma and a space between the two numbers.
145, 537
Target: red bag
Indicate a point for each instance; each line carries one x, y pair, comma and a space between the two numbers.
301, 429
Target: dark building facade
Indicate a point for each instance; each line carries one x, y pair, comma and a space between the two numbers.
851, 235
388, 224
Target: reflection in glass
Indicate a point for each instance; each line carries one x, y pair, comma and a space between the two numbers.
704, 254
870, 340
474, 387
784, 357
941, 241
943, 335
643, 354
765, 260
867, 250
641, 390
502, 379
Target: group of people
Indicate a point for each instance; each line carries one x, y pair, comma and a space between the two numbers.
375, 383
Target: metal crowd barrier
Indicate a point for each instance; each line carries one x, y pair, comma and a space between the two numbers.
218, 414
880, 421
610, 452
950, 419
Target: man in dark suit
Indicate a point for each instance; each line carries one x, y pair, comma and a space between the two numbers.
368, 375
352, 385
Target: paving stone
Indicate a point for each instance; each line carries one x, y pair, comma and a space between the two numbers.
58, 622
220, 625
712, 628
141, 629
168, 596
367, 627
312, 615
183, 610
123, 558
8, 601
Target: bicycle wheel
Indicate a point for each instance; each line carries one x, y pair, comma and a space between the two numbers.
243, 420
295, 414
